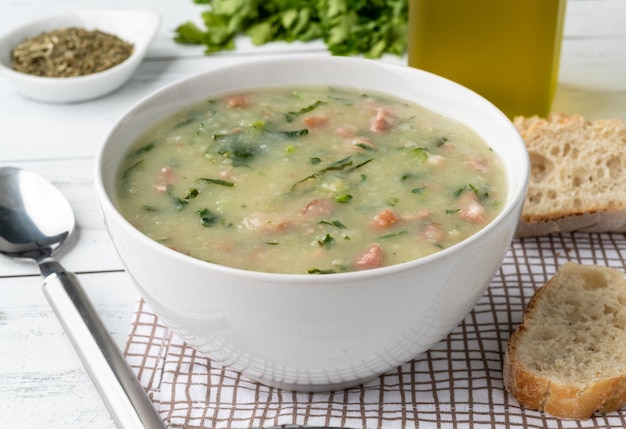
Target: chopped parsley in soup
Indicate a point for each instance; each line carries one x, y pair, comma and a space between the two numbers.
309, 180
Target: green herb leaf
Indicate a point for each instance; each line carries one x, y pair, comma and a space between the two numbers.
343, 198
180, 203
239, 147
409, 176
481, 194
338, 165
364, 146
420, 153
291, 116
192, 193
216, 182
394, 234
335, 166
292, 134
126, 174
336, 223
318, 271
326, 242
367, 161
207, 217
143, 149
368, 28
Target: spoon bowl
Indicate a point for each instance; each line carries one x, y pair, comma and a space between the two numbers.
35, 227
35, 220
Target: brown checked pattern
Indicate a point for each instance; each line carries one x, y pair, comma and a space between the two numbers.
458, 383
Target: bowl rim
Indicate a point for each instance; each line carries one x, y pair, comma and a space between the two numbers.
513, 202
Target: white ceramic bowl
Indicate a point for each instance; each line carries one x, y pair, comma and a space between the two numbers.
135, 26
312, 332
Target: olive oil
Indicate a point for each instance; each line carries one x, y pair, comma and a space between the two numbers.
506, 50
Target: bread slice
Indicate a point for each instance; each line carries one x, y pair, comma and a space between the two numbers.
578, 175
568, 356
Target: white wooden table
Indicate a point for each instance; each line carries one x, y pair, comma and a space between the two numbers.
42, 382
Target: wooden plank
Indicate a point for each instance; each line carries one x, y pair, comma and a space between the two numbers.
42, 382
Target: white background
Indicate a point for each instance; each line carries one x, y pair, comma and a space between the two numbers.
42, 382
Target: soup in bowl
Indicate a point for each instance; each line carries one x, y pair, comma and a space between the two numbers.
312, 222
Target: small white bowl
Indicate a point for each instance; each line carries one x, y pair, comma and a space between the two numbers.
134, 26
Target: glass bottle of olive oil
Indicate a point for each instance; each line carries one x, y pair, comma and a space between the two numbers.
506, 50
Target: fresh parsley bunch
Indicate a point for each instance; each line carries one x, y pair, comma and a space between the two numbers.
361, 27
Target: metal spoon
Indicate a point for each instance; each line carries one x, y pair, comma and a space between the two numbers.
35, 219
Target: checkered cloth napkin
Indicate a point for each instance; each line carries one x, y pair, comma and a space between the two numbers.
458, 383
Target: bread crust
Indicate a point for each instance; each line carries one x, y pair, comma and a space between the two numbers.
538, 390
576, 175
594, 220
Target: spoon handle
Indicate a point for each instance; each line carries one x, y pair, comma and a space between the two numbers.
116, 382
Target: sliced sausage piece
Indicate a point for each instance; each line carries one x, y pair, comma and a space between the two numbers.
372, 257
384, 219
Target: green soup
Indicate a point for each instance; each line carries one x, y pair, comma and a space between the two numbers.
309, 180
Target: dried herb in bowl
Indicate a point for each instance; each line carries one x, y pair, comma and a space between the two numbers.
69, 52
